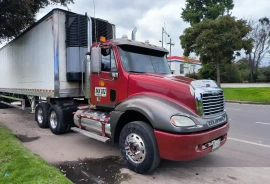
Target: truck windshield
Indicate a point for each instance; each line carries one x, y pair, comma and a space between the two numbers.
143, 60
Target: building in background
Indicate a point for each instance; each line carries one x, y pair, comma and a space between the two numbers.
182, 66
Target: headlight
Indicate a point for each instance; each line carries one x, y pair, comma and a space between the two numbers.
182, 121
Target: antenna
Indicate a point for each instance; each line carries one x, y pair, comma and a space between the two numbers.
166, 33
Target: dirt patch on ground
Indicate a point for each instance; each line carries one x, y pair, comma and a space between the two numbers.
24, 138
105, 170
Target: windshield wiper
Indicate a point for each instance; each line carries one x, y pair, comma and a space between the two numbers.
135, 71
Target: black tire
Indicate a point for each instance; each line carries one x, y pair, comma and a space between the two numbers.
56, 116
151, 155
42, 122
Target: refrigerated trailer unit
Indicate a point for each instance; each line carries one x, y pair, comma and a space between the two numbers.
48, 60
122, 92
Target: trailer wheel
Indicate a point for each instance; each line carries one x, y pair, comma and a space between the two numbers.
138, 147
42, 113
56, 120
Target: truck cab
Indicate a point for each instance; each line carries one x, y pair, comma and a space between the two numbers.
121, 61
149, 112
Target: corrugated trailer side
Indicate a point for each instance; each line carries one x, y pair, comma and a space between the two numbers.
36, 63
46, 60
45, 67
27, 62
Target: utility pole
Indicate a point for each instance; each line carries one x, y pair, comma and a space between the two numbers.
162, 39
163, 31
171, 44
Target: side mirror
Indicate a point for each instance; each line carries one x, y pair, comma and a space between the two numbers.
114, 74
96, 60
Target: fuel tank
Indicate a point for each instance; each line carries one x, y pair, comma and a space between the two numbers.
92, 120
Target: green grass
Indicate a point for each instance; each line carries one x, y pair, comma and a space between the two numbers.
22, 165
247, 94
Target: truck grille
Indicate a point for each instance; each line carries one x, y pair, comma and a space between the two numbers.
213, 103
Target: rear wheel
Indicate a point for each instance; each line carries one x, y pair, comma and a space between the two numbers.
56, 120
42, 113
138, 147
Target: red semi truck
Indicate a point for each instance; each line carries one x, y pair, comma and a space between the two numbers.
125, 92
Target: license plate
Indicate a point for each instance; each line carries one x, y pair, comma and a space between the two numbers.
215, 144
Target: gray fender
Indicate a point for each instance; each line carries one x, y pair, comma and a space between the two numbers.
156, 109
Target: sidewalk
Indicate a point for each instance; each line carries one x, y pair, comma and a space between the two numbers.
247, 102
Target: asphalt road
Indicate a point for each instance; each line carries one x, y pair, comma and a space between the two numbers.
245, 158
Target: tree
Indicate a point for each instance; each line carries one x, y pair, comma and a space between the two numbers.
16, 15
229, 72
195, 11
243, 68
207, 71
265, 73
216, 40
260, 35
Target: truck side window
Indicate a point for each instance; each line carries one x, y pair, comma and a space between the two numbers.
105, 60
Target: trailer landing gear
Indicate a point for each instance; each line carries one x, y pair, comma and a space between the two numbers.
33, 101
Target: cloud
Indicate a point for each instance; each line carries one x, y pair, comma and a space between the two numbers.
251, 9
149, 16
150, 25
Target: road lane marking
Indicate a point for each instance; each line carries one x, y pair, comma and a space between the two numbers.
234, 109
248, 142
262, 123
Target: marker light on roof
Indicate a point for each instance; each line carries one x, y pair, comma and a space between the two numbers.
147, 41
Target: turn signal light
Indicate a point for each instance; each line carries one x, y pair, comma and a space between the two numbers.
102, 39
101, 83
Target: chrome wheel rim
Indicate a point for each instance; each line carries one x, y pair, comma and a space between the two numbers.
40, 116
135, 148
53, 120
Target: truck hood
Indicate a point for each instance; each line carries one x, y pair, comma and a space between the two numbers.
173, 87
172, 78
171, 82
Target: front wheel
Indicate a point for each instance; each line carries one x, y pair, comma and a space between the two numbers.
138, 147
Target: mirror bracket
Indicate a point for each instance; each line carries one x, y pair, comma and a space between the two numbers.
114, 74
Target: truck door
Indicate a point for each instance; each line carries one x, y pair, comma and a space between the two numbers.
104, 84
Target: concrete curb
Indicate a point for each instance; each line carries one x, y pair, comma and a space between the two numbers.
247, 102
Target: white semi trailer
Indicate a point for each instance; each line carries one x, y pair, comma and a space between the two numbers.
48, 60
47, 63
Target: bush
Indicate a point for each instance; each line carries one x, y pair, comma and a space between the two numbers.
192, 75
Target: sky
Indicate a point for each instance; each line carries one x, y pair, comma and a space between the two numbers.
149, 16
